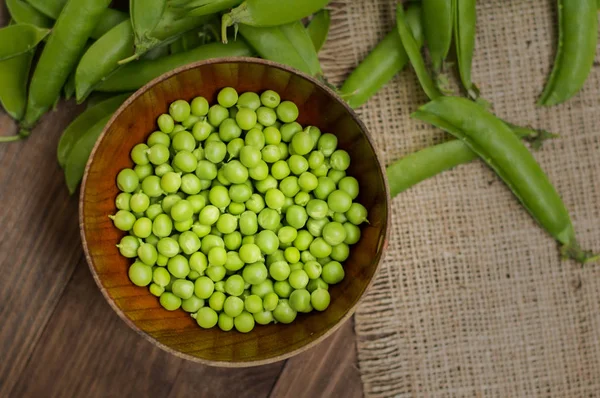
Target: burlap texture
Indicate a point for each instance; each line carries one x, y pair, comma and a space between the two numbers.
472, 298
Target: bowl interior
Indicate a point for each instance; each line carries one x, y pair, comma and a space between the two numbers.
177, 331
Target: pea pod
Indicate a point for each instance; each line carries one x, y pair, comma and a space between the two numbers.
20, 39
14, 74
145, 16
577, 39
426, 163
102, 58
264, 13
82, 123
495, 143
69, 88
318, 29
53, 8
438, 17
465, 17
270, 43
296, 33
75, 164
135, 75
65, 43
207, 7
384, 62
414, 54
22, 12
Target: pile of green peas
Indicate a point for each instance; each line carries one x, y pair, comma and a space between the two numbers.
236, 213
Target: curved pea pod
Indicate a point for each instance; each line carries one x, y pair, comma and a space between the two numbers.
135, 75
60, 55
496, 144
438, 18
318, 29
207, 7
465, 16
263, 13
82, 123
577, 39
20, 39
145, 16
426, 163
14, 73
413, 52
272, 44
102, 58
75, 164
297, 35
50, 8
22, 12
384, 62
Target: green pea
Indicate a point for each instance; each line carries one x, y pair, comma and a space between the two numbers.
333, 272
316, 159
162, 169
250, 253
288, 130
298, 279
336, 175
198, 262
357, 214
284, 313
267, 241
270, 301
270, 99
236, 172
352, 233
300, 300
320, 248
216, 301
192, 304
260, 172
320, 299
271, 153
256, 203
313, 269
287, 234
233, 306
215, 151
302, 198
263, 317
158, 154
269, 219
246, 118
161, 260
216, 115
229, 130
255, 273
315, 284
249, 100
123, 220
227, 97
127, 180
266, 184
122, 201
161, 277
236, 208
263, 288
339, 201
207, 318
178, 266
287, 112
225, 322
308, 181
147, 254
179, 110
327, 144
140, 274
202, 130
139, 154
182, 211
128, 246
279, 270
266, 116
165, 123
244, 322
144, 171
156, 290
169, 301
296, 216
233, 240
340, 160
302, 143
199, 106
210, 241
204, 287
168, 247
255, 138
170, 182
183, 289
248, 223
324, 187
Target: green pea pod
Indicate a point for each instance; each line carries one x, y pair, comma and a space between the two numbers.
207, 7
264, 13
414, 54
145, 16
438, 17
297, 35
82, 123
577, 39
77, 160
318, 28
102, 58
426, 163
497, 145
20, 39
22, 12
14, 74
69, 88
135, 75
50, 8
465, 17
384, 62
60, 55
270, 43
108, 19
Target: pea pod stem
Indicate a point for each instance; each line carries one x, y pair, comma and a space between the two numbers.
384, 62
145, 16
496, 144
414, 55
577, 40
318, 29
265, 13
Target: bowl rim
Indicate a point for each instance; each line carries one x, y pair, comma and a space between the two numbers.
234, 364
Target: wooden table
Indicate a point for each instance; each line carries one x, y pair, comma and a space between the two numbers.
59, 337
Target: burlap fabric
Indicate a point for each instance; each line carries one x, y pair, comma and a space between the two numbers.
472, 298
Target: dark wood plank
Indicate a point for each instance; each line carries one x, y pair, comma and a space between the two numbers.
327, 370
86, 350
196, 380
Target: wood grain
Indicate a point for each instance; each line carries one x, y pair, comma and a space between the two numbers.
176, 331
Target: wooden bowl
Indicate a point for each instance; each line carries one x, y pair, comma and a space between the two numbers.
176, 331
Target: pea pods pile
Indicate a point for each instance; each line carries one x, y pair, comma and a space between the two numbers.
236, 213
